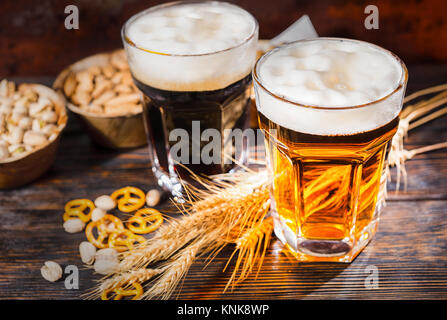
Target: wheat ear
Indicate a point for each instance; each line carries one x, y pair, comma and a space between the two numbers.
248, 247
175, 270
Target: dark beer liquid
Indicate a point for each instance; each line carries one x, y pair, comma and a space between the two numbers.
165, 111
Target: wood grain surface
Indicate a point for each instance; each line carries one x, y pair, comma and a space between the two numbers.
409, 250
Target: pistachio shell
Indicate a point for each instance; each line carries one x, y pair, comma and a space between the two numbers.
33, 138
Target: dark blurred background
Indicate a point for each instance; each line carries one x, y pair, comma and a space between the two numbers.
34, 41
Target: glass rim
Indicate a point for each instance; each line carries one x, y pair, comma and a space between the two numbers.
400, 84
127, 40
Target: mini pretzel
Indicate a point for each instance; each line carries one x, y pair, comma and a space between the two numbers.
75, 209
121, 292
123, 240
145, 220
106, 226
126, 202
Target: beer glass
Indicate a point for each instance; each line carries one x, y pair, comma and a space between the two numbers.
192, 61
329, 108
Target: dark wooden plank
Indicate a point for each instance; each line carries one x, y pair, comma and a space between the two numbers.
409, 252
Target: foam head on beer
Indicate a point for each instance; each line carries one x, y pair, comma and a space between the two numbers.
335, 76
192, 46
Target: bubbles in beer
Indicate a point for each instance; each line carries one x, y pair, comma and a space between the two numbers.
190, 46
195, 28
329, 73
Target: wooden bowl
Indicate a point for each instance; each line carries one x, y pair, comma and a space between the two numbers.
28, 166
116, 132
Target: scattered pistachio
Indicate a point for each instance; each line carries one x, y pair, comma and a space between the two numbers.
87, 252
51, 271
97, 214
153, 197
74, 225
105, 203
106, 261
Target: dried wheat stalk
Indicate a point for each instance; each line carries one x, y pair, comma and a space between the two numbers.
175, 270
251, 247
413, 116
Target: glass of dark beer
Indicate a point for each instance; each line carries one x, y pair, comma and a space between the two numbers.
192, 61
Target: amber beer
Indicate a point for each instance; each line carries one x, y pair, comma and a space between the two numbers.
192, 61
329, 109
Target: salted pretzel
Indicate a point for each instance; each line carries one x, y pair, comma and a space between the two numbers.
106, 226
76, 209
123, 240
145, 220
120, 292
129, 198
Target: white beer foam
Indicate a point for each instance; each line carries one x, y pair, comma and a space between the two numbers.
192, 46
330, 73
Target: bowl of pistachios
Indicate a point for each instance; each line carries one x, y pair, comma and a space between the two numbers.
100, 91
32, 117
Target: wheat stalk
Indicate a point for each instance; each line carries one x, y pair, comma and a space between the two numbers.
248, 247
201, 217
413, 116
174, 272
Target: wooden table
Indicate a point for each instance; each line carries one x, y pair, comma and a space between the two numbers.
409, 250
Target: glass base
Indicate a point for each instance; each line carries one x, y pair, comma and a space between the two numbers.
170, 184
317, 250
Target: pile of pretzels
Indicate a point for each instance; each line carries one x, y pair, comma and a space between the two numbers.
105, 231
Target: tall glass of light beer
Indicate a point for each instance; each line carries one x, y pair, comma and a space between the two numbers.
329, 108
192, 60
